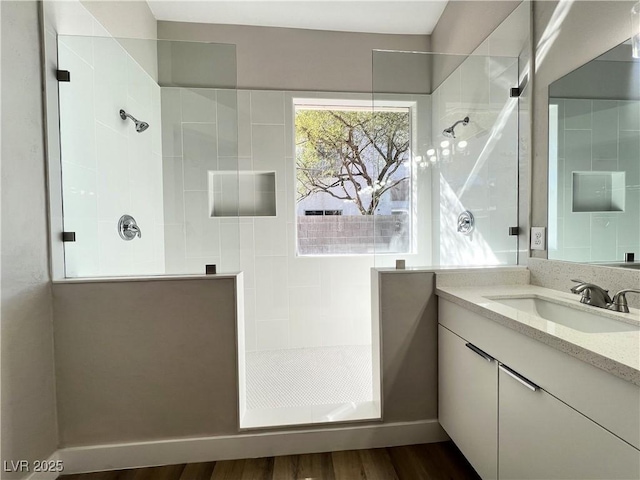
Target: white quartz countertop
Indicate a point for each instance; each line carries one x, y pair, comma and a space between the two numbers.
616, 352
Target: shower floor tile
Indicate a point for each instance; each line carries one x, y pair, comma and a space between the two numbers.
309, 376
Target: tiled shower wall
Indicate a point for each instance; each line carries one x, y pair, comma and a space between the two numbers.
595, 135
483, 177
108, 169
290, 301
199, 134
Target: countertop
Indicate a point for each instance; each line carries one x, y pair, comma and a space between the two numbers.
616, 352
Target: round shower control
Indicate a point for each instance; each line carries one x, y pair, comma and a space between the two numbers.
466, 222
128, 228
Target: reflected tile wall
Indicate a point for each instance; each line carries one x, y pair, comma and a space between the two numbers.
597, 135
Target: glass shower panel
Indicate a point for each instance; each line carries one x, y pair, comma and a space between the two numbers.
447, 173
138, 151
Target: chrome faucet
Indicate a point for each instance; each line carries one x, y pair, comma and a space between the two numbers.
619, 302
592, 294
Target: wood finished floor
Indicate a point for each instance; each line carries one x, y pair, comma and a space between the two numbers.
433, 461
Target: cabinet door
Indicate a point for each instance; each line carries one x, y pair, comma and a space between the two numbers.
468, 401
541, 437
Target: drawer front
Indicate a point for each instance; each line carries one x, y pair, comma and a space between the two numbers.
542, 438
608, 400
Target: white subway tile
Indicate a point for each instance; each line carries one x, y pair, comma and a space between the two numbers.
272, 300
200, 154
198, 105
267, 107
79, 192
77, 112
272, 335
171, 122
114, 197
202, 232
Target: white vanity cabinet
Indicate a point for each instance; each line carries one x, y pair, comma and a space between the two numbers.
507, 419
468, 400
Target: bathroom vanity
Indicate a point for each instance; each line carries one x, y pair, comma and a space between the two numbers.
534, 384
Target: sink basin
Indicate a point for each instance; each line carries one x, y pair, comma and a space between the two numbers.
566, 315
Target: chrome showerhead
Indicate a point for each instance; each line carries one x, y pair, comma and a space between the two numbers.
450, 132
140, 126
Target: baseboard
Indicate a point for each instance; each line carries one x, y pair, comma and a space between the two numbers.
203, 449
46, 475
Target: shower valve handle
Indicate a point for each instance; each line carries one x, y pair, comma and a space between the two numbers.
135, 229
128, 229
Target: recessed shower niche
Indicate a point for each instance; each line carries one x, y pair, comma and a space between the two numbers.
242, 194
598, 191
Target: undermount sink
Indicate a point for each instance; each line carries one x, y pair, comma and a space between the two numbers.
577, 319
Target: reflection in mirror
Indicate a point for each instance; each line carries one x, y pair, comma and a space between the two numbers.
594, 162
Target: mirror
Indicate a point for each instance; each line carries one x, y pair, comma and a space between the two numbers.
594, 162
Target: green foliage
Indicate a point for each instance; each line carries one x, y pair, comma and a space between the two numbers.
351, 155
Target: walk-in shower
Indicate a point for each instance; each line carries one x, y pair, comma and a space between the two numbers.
212, 183
223, 179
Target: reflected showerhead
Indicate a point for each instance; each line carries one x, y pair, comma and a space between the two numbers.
140, 126
450, 132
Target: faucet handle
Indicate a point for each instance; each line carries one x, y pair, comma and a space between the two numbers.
580, 283
619, 302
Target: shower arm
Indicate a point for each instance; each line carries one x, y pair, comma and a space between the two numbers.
124, 115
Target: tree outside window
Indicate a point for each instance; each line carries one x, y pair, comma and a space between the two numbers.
356, 161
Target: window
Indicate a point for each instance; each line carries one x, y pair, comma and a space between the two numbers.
353, 174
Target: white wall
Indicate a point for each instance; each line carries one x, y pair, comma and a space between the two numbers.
109, 169
596, 135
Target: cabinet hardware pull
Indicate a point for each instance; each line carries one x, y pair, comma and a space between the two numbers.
516, 376
482, 353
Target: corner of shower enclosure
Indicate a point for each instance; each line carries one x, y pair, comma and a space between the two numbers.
143, 156
455, 170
